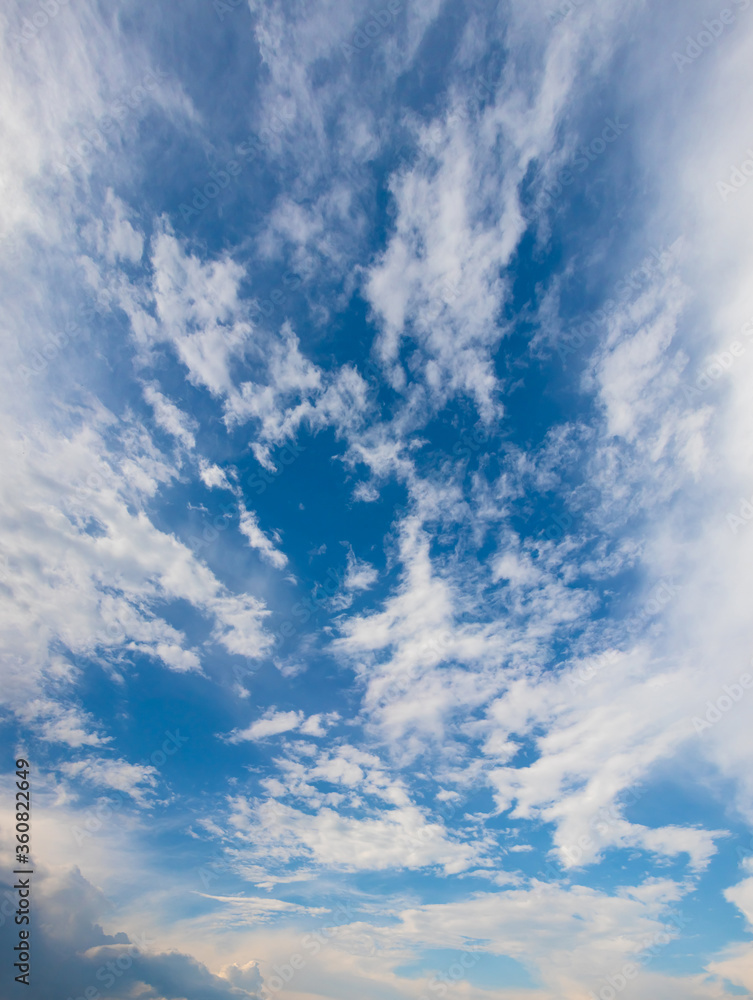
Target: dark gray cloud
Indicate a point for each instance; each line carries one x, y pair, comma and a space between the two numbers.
73, 958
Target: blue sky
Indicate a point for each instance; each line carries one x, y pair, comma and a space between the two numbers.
375, 541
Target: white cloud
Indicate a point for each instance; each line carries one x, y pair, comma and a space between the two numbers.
418, 665
213, 476
170, 418
249, 526
396, 838
61, 723
273, 723
440, 273
113, 235
256, 908
569, 939
88, 567
359, 576
196, 310
248, 977
355, 773
317, 725
134, 779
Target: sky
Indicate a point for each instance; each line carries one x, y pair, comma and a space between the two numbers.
376, 538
